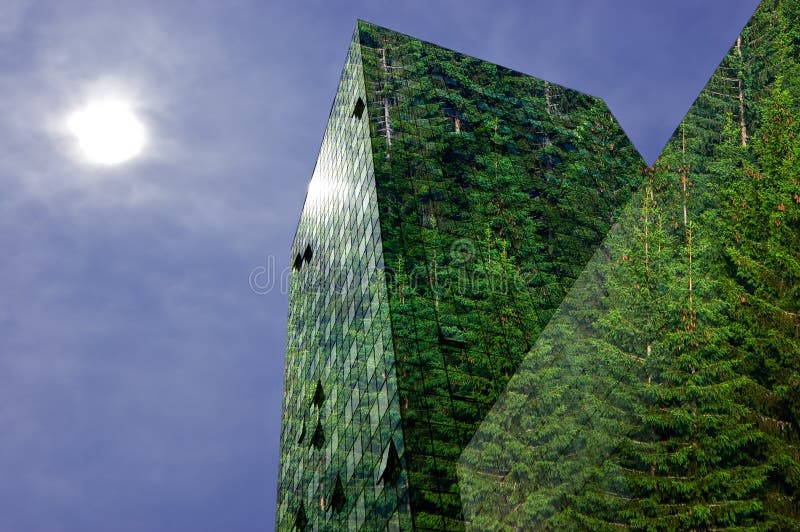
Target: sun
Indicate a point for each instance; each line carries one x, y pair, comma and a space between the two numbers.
108, 131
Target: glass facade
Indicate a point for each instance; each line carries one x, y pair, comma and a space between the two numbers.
453, 205
341, 438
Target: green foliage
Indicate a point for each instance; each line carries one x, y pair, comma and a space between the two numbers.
494, 189
664, 394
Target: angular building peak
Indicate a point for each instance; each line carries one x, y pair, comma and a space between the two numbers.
366, 31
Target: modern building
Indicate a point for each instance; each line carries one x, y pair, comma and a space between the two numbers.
453, 204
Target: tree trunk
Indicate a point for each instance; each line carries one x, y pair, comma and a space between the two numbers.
742, 125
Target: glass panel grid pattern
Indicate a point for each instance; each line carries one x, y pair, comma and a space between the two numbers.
340, 401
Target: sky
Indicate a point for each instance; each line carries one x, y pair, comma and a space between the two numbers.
141, 341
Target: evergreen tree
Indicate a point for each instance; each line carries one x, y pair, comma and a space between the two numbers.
764, 258
664, 393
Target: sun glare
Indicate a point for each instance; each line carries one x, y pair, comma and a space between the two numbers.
108, 132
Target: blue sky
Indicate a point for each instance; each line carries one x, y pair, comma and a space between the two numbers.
140, 375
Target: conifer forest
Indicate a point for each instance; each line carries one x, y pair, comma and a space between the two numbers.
665, 392
502, 319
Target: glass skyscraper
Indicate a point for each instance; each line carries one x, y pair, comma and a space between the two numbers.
453, 204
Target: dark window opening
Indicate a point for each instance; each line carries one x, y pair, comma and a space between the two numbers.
307, 254
319, 395
359, 108
300, 519
391, 464
452, 337
318, 438
568, 146
298, 262
338, 498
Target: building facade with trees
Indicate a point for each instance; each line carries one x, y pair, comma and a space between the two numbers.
453, 204
501, 319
